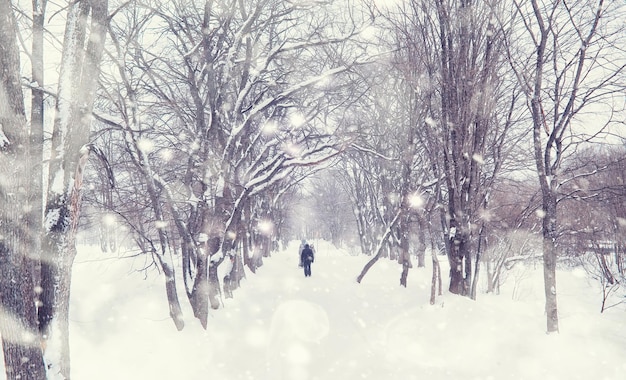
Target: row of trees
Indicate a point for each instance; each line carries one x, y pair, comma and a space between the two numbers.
202, 120
210, 129
482, 85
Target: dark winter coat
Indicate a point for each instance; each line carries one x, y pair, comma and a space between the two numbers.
307, 255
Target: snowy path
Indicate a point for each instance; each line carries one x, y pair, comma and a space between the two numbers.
325, 326
281, 325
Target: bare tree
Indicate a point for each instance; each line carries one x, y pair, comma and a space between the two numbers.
567, 69
591, 211
85, 33
219, 119
329, 207
23, 355
452, 58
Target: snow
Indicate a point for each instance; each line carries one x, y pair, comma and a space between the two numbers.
281, 325
4, 141
416, 201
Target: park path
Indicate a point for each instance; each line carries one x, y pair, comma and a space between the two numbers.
318, 327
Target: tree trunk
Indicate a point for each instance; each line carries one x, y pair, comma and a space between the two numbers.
546, 181
421, 247
606, 271
477, 265
490, 277
620, 258
214, 285
549, 263
206, 283
436, 278
59, 244
379, 250
23, 356
549, 277
458, 251
247, 259
404, 257
475, 279
199, 297
173, 303
77, 84
36, 158
238, 272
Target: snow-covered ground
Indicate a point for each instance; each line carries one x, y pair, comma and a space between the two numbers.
281, 325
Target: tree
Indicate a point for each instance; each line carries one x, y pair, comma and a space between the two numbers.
591, 212
329, 207
567, 69
85, 34
217, 120
23, 355
451, 58
37, 108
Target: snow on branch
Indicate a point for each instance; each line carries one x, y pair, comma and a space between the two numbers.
262, 106
372, 152
283, 166
4, 141
379, 249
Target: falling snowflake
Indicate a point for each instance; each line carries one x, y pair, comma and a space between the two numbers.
297, 119
416, 201
266, 227
145, 145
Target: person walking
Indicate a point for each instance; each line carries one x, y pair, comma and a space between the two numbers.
307, 257
300, 249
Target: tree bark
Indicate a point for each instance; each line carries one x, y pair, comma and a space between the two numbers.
173, 303
421, 238
23, 356
404, 257
545, 180
435, 279
36, 158
82, 53
199, 297
549, 263
465, 52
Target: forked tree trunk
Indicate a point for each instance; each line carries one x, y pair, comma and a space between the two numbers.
59, 244
379, 250
82, 53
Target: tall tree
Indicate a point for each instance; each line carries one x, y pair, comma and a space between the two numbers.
226, 109
83, 43
467, 72
37, 108
450, 55
23, 356
574, 62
